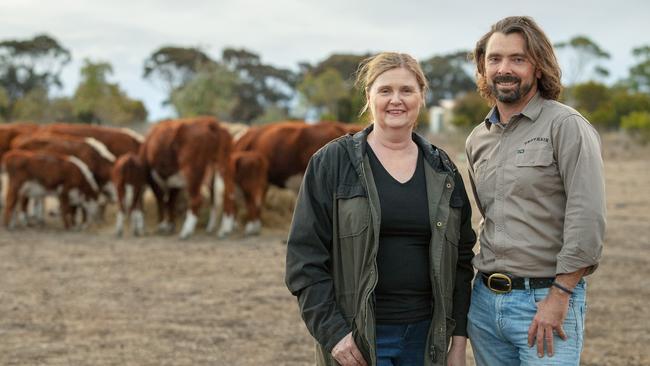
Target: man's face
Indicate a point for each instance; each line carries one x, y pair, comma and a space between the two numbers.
510, 74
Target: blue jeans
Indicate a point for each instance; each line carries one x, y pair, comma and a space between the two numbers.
402, 344
498, 327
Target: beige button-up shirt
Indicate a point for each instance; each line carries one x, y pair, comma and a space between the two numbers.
539, 184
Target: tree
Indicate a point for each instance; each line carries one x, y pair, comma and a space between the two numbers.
342, 107
590, 96
36, 106
448, 76
260, 86
345, 63
581, 53
4, 103
324, 91
212, 91
640, 73
29, 64
98, 101
469, 109
174, 66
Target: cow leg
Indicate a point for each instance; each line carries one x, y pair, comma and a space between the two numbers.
163, 226
137, 216
228, 219
166, 226
122, 204
66, 209
253, 208
22, 215
216, 199
10, 204
192, 216
38, 207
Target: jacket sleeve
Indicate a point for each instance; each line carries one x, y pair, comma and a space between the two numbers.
308, 257
577, 149
464, 269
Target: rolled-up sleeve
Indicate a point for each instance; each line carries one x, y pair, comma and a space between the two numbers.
578, 151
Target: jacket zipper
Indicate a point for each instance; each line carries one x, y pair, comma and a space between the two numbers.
373, 270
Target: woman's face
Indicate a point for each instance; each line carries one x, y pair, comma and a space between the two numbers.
395, 99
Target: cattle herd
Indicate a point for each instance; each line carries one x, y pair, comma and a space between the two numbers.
87, 167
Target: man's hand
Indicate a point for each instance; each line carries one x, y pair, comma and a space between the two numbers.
456, 354
551, 313
347, 353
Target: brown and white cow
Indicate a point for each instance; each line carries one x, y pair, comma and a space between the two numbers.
129, 177
10, 131
119, 141
89, 150
35, 174
288, 146
251, 170
185, 154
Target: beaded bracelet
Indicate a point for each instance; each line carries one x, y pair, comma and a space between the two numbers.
562, 288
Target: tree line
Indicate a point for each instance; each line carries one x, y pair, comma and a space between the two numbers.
240, 86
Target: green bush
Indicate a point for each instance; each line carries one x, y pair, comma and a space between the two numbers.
637, 124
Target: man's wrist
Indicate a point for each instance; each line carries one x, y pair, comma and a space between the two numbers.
557, 293
563, 288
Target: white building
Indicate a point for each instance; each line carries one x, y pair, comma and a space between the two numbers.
440, 117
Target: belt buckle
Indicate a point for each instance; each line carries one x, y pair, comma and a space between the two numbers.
499, 276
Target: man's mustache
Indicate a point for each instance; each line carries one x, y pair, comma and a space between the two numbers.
506, 79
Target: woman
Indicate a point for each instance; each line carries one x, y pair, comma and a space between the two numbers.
380, 247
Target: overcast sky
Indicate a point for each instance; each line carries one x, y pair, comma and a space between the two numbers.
285, 32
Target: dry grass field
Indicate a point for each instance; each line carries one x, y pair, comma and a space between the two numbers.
87, 298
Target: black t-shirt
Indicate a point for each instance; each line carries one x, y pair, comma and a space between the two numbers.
403, 292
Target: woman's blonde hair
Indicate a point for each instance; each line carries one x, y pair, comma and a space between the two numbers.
373, 66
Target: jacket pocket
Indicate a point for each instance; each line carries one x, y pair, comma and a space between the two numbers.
353, 211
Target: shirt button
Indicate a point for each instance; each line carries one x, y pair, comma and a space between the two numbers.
438, 224
448, 185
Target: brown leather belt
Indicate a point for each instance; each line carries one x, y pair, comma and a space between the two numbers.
502, 283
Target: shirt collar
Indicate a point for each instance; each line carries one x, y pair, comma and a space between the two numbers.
531, 111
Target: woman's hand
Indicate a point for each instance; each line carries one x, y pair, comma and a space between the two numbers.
456, 354
347, 353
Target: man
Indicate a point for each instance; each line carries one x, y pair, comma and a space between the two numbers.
537, 174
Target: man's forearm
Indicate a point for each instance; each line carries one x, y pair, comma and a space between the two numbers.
567, 281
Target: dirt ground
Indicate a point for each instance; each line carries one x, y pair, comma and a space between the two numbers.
87, 298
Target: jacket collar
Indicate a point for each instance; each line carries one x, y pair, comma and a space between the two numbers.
437, 159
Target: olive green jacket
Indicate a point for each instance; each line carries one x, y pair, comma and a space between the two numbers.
332, 248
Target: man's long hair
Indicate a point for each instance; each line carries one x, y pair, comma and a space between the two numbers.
538, 48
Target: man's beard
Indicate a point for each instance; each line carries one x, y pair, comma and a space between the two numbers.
513, 95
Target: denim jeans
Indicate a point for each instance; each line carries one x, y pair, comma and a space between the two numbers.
498, 327
402, 344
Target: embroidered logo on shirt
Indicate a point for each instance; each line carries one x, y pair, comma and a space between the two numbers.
542, 139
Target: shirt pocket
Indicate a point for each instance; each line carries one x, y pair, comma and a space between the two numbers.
536, 173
